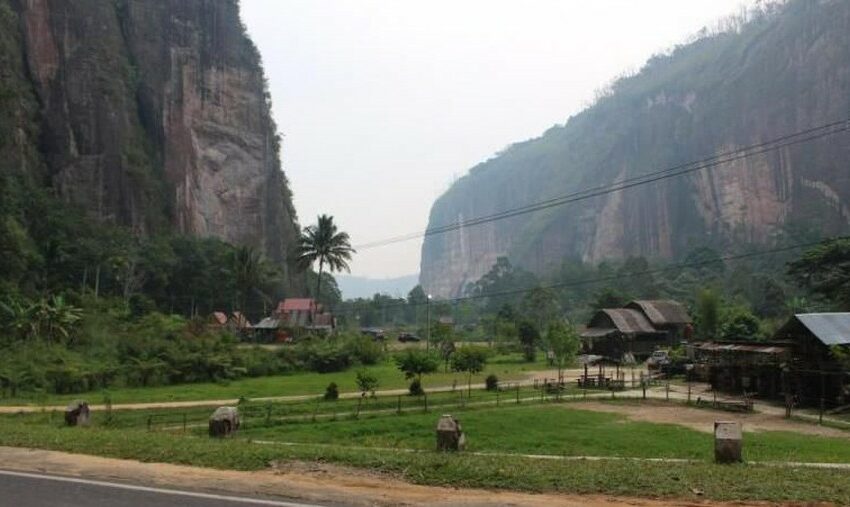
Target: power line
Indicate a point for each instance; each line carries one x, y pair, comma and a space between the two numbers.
803, 136
588, 281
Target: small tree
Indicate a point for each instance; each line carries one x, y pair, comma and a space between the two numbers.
708, 313
740, 324
441, 333
332, 392
447, 349
529, 336
563, 341
417, 362
470, 360
366, 383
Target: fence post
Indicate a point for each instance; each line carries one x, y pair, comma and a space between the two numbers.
517, 393
689, 392
786, 388
667, 390
150, 422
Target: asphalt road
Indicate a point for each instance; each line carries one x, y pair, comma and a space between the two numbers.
19, 489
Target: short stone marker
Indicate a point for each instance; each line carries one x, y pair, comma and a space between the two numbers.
728, 442
77, 413
224, 422
450, 436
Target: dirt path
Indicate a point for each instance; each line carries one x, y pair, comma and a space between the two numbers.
310, 483
703, 419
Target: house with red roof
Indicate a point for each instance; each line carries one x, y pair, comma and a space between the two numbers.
305, 313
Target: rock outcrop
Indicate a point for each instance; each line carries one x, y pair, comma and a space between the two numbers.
785, 70
154, 114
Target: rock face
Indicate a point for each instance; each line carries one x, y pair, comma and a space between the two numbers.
784, 71
154, 114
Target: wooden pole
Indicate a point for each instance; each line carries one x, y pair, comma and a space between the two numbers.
822, 397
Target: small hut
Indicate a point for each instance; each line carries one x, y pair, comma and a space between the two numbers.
618, 332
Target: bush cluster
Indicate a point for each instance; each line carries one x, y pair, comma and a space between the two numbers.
112, 348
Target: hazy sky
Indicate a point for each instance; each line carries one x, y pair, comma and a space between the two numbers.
383, 103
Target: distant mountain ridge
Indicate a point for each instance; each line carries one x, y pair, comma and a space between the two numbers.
783, 70
353, 287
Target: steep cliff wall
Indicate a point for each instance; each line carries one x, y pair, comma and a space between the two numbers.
154, 114
782, 72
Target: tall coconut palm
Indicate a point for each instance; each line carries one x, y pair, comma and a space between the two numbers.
322, 242
250, 270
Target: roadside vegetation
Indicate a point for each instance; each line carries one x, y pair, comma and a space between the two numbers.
373, 443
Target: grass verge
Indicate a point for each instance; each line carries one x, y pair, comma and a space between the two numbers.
625, 478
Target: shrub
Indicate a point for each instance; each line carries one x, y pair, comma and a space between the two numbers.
324, 356
332, 392
259, 362
416, 388
491, 383
364, 350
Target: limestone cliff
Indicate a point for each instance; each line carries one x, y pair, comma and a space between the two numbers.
154, 114
783, 71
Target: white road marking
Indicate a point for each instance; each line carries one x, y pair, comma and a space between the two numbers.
147, 489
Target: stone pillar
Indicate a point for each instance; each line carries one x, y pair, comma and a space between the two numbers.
77, 414
450, 435
728, 442
224, 422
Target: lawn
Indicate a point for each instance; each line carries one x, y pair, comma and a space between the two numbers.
555, 429
678, 480
508, 367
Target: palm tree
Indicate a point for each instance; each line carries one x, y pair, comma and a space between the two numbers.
322, 242
248, 268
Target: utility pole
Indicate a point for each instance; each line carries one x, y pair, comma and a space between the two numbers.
428, 317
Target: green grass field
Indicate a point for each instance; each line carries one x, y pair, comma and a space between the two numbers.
543, 429
509, 367
555, 429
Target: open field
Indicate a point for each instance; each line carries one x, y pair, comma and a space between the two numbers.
400, 445
508, 367
679, 480
557, 429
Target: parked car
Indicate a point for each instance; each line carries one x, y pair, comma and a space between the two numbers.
408, 337
658, 360
375, 333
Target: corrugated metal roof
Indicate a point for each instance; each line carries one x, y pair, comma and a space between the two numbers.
740, 347
662, 311
629, 321
220, 318
829, 328
597, 332
268, 323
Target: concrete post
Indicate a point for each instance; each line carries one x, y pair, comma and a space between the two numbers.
728, 442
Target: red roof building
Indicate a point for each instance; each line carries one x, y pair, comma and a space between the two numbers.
304, 312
